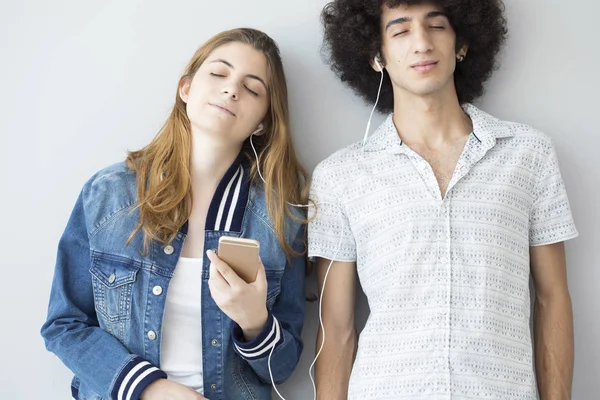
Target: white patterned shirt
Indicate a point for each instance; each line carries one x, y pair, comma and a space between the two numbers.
447, 279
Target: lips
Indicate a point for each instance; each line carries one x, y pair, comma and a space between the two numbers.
423, 63
424, 66
223, 108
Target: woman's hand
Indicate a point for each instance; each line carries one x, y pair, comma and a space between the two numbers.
245, 303
164, 389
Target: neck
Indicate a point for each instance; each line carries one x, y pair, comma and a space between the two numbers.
209, 162
430, 120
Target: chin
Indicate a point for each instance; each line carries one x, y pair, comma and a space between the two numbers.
431, 88
212, 126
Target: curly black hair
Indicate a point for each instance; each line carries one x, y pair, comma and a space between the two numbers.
352, 37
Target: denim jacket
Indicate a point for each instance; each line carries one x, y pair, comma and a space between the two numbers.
107, 299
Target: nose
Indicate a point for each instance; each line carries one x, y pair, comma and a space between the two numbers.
422, 40
231, 89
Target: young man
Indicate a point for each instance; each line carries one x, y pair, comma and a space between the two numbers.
444, 213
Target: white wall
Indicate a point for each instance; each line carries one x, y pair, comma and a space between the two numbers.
81, 82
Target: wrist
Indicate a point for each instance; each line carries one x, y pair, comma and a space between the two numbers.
251, 329
147, 392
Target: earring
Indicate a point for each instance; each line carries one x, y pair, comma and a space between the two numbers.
460, 58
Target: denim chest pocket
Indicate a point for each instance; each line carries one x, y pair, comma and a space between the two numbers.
275, 264
274, 287
112, 281
273, 284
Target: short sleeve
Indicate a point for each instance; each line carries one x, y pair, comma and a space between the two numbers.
329, 232
550, 220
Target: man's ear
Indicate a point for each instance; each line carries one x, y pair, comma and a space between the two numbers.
462, 52
374, 63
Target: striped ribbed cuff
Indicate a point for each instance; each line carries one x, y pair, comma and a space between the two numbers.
266, 340
134, 378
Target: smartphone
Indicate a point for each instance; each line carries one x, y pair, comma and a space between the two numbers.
242, 255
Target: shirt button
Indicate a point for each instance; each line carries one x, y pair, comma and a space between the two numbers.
169, 249
112, 278
151, 335
444, 260
213, 386
157, 290
215, 342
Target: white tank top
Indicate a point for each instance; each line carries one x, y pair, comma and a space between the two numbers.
181, 345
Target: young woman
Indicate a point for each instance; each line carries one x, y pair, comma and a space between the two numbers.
141, 306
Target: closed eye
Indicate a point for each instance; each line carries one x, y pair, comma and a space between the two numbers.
218, 75
252, 92
399, 33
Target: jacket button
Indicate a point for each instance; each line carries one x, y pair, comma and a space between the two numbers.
112, 278
169, 249
215, 342
157, 290
213, 386
151, 335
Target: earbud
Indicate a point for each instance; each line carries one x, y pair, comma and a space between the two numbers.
260, 128
376, 60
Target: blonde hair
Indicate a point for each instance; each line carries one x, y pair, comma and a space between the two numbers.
163, 166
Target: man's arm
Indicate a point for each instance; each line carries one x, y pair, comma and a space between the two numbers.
553, 322
334, 365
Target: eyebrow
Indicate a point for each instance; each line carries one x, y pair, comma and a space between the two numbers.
251, 76
402, 20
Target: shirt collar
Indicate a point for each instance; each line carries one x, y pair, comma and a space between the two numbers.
486, 129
